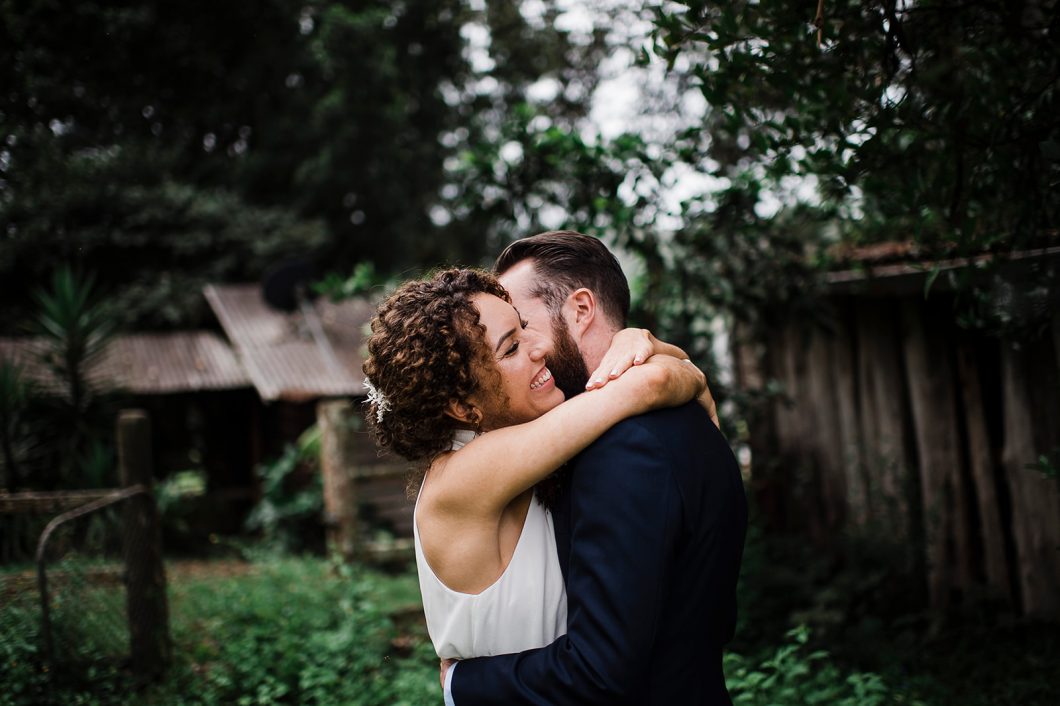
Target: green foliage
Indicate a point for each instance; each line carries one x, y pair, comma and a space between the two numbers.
866, 613
287, 516
306, 631
166, 145
362, 281
912, 119
795, 675
154, 241
76, 329
906, 123
70, 425
1048, 464
286, 631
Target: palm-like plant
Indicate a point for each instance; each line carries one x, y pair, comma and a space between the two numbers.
75, 329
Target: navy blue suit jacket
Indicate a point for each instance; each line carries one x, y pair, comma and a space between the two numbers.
650, 530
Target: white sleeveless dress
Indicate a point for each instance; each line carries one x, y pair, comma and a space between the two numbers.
525, 608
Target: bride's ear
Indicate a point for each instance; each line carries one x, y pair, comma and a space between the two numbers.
464, 412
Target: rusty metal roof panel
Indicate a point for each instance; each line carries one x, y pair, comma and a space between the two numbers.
25, 353
145, 363
279, 351
174, 362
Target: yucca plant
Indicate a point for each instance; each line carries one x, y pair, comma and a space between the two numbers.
75, 328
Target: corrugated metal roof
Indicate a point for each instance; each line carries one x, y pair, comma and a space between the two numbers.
174, 362
278, 349
145, 363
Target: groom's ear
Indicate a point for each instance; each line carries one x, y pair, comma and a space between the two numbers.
464, 412
580, 309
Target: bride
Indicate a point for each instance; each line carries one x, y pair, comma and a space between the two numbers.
457, 382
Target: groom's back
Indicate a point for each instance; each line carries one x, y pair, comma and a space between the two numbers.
694, 507
698, 616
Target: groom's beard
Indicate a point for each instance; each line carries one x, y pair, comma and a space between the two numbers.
566, 362
570, 373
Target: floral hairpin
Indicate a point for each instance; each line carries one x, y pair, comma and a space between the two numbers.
376, 397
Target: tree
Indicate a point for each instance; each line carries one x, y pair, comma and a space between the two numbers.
915, 120
163, 145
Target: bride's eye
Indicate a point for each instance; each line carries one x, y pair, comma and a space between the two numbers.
511, 350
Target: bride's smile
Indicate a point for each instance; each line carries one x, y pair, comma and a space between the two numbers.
526, 389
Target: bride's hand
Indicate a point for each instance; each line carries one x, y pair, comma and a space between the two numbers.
681, 382
667, 381
629, 347
443, 667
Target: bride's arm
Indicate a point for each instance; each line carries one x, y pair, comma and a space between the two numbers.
484, 476
631, 347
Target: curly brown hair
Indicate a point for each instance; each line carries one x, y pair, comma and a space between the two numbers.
427, 348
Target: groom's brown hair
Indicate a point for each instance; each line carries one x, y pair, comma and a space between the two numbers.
567, 260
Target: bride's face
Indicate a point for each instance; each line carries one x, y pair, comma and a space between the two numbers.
527, 388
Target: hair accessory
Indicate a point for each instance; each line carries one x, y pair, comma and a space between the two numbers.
382, 405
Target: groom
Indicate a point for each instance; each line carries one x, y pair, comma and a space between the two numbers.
650, 519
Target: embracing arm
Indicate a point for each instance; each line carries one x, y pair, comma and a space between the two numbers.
626, 513
484, 476
633, 346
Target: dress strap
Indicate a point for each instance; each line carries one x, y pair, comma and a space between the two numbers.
462, 437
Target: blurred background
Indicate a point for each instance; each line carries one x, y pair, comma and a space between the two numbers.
846, 211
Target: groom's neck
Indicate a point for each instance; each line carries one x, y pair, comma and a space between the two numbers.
594, 344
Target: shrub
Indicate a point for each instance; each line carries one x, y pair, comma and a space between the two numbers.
797, 676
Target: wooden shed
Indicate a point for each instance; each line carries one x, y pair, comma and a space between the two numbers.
898, 424
226, 402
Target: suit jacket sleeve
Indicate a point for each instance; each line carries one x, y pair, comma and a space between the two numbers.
625, 514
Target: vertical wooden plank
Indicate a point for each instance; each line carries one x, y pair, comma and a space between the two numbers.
981, 464
883, 413
944, 497
337, 463
820, 409
1035, 499
796, 435
144, 571
1056, 339
848, 436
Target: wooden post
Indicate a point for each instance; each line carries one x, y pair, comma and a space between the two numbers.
145, 574
337, 463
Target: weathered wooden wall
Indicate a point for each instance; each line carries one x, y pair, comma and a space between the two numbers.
364, 491
897, 424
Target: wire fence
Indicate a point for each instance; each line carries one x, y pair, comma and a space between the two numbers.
84, 599
68, 594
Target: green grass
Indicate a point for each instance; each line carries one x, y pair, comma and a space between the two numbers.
284, 631
300, 631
